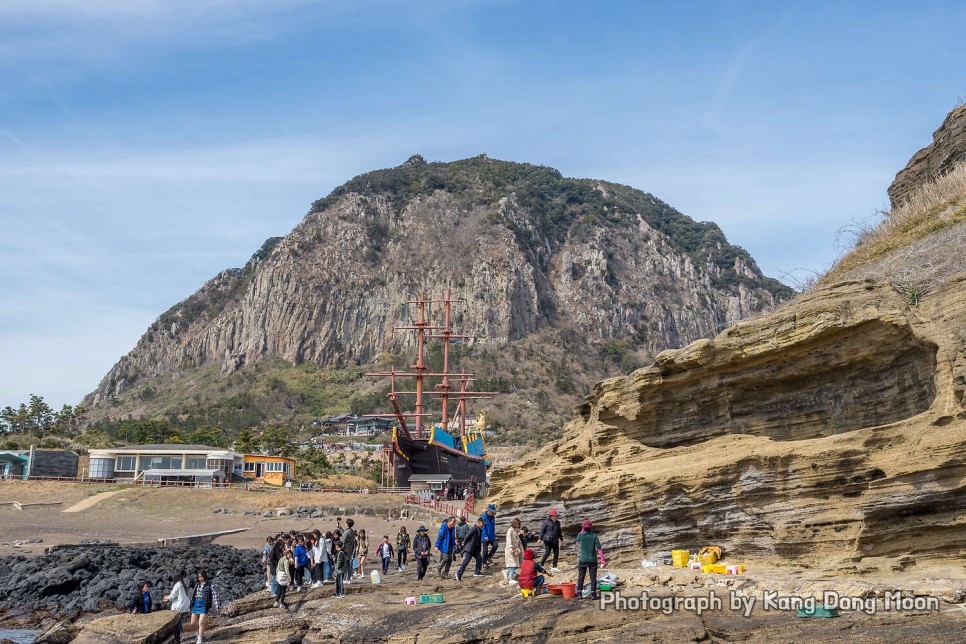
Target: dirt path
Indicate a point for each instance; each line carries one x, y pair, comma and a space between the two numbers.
91, 501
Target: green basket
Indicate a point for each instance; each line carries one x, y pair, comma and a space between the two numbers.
818, 611
436, 598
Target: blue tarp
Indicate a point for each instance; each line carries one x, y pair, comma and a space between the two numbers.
475, 447
444, 438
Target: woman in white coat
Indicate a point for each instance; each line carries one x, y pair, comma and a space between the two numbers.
179, 602
513, 550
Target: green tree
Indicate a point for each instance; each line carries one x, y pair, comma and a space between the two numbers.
277, 443
247, 442
205, 436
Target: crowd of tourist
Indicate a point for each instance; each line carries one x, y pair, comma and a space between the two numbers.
294, 561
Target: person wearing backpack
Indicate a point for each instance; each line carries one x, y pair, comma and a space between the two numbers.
205, 600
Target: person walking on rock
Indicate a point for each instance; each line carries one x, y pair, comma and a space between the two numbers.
179, 602
551, 535
205, 600
489, 534
513, 550
446, 546
362, 552
421, 551
402, 548
385, 553
472, 549
283, 578
461, 529
589, 549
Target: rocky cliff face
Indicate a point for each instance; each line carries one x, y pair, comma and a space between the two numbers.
948, 148
524, 247
834, 430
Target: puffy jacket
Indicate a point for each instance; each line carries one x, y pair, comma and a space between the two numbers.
179, 598
551, 532
473, 540
446, 539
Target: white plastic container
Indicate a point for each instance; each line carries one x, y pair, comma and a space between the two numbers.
374, 575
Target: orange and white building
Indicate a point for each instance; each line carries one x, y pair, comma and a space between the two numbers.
274, 470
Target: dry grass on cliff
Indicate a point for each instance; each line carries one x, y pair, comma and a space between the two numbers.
935, 207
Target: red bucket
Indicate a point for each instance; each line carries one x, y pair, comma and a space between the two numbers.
569, 589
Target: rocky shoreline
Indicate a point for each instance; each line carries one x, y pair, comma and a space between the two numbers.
87, 579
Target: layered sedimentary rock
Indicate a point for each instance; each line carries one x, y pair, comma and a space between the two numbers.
833, 430
948, 148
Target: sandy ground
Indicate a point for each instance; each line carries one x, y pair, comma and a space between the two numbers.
128, 514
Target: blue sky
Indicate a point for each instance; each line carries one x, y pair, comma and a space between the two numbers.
146, 145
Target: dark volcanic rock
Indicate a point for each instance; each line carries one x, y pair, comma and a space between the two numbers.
70, 581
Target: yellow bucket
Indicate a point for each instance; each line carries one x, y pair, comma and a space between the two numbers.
680, 558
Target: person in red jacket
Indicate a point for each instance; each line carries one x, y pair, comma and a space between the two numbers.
529, 579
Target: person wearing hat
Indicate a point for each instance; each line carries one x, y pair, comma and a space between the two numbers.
421, 549
529, 579
551, 536
588, 544
489, 534
472, 546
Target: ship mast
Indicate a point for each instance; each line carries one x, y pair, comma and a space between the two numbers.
421, 370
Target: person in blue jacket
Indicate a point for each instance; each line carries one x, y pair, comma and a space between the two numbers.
446, 546
302, 563
489, 534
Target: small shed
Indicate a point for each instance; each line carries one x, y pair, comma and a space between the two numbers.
432, 482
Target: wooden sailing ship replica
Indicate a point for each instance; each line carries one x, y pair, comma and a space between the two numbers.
425, 448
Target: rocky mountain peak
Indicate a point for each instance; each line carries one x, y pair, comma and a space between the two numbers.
587, 271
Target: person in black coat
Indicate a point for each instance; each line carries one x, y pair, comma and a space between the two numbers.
472, 546
551, 535
141, 602
422, 547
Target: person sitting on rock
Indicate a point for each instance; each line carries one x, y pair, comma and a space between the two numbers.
421, 551
529, 576
141, 602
